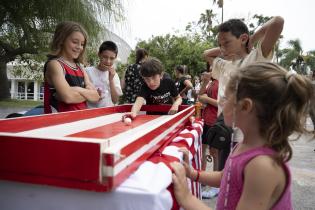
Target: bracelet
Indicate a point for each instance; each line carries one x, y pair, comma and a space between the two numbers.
197, 177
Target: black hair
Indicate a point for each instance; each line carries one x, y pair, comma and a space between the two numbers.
180, 69
108, 45
140, 54
236, 26
151, 67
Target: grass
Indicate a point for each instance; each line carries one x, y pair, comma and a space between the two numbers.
19, 103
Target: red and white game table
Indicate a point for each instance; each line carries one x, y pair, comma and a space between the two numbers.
90, 159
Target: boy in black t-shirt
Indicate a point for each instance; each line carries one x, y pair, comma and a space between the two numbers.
155, 90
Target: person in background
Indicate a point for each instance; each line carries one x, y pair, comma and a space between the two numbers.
235, 50
166, 75
155, 89
133, 81
183, 84
196, 88
190, 92
104, 76
257, 175
208, 95
67, 86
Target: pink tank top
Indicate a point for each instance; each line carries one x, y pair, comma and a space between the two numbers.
236, 164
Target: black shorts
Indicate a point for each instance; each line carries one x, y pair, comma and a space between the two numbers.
204, 134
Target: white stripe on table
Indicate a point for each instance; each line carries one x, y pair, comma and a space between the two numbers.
66, 129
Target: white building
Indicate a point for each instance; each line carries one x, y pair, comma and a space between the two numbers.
25, 88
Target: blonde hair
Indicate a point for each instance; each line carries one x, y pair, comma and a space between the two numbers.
62, 32
281, 100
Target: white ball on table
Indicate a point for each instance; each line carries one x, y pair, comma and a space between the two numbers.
127, 121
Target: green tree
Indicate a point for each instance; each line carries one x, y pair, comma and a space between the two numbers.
291, 54
175, 50
310, 60
206, 27
27, 26
295, 56
257, 21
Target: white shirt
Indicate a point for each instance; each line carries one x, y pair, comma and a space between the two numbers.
101, 81
222, 69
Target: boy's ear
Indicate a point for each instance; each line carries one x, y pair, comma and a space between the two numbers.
244, 38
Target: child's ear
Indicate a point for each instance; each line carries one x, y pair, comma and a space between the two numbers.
244, 38
247, 105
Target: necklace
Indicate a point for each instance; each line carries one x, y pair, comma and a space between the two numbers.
73, 65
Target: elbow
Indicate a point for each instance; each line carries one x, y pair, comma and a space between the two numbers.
279, 21
206, 56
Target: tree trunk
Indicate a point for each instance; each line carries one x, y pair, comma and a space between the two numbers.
4, 82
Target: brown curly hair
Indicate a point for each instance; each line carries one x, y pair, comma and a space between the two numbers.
282, 101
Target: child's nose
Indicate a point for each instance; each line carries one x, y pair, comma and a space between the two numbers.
151, 81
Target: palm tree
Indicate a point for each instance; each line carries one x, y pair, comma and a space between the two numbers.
310, 60
206, 24
220, 5
293, 55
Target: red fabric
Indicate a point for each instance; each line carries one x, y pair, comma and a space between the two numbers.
195, 150
210, 112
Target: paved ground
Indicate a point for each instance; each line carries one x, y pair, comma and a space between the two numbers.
303, 174
5, 111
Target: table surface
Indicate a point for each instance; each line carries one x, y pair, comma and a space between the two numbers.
147, 188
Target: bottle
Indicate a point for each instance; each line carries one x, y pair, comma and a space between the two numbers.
198, 107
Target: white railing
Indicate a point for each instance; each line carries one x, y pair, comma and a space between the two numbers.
26, 96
